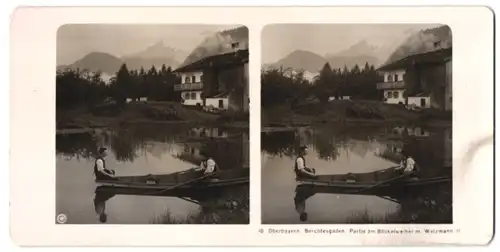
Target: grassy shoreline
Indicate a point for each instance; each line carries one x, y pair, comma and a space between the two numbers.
167, 113
351, 112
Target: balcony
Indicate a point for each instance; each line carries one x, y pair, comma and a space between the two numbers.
188, 86
391, 85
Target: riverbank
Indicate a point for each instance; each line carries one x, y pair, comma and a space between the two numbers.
350, 112
84, 119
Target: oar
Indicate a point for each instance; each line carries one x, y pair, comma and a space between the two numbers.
190, 200
392, 167
381, 183
187, 182
389, 199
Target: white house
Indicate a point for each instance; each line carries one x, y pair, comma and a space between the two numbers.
217, 82
220, 101
191, 87
393, 86
140, 99
333, 98
419, 80
421, 100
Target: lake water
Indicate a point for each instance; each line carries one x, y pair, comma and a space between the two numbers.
356, 149
141, 150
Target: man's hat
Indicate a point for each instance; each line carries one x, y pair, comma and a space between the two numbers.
102, 149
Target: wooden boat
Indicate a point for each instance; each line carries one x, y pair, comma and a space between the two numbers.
382, 179
189, 179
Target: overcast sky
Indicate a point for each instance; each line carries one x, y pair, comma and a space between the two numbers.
75, 41
281, 39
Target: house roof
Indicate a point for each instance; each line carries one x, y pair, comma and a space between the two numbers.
420, 94
220, 95
437, 56
221, 60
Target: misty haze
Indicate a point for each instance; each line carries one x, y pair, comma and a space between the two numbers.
356, 123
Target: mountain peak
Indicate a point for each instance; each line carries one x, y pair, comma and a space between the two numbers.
299, 52
301, 60
362, 47
160, 45
156, 54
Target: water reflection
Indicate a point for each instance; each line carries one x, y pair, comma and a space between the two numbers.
139, 150
100, 204
340, 150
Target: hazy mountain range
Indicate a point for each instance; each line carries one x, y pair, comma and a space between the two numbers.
159, 54
370, 52
155, 55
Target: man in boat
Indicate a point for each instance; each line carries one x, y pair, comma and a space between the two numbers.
100, 170
408, 166
300, 168
208, 165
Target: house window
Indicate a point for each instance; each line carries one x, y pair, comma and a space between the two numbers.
193, 96
389, 78
235, 45
201, 78
188, 79
193, 78
396, 94
395, 77
389, 94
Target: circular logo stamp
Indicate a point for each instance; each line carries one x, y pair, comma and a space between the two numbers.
61, 218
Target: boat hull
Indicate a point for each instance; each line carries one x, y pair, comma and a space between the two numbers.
379, 179
179, 180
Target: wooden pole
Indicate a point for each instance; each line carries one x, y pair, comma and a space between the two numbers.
381, 183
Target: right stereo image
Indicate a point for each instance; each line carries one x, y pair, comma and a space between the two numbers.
356, 124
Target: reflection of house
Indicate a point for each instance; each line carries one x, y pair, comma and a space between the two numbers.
359, 147
207, 132
219, 81
422, 80
190, 152
411, 132
417, 132
390, 150
157, 149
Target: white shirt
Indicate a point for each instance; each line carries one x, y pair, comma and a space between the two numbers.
210, 166
410, 165
300, 163
100, 165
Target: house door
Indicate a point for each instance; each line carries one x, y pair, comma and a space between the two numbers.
422, 102
221, 103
